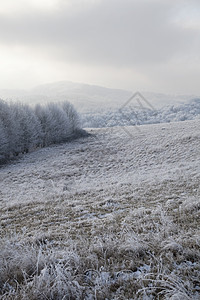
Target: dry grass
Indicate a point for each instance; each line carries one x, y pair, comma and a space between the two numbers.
124, 240
149, 251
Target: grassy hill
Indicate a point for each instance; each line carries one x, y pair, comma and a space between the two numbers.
115, 215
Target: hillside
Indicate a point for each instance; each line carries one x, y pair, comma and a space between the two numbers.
105, 107
111, 216
89, 98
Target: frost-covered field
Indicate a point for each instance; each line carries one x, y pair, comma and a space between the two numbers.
115, 215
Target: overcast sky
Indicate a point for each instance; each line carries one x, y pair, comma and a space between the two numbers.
147, 45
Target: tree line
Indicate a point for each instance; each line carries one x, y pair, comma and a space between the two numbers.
131, 115
23, 128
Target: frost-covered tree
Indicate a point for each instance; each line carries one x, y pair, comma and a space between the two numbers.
41, 113
4, 144
29, 133
22, 129
58, 122
73, 116
8, 123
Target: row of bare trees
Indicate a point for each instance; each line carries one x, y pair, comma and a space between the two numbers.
23, 128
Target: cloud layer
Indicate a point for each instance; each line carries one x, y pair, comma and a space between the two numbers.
147, 39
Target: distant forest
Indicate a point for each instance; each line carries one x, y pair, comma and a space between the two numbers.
131, 115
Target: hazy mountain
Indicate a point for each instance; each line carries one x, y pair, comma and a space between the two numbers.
88, 98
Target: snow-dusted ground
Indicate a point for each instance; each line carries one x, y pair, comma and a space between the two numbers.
124, 202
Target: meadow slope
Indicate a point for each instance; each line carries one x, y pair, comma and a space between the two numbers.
115, 215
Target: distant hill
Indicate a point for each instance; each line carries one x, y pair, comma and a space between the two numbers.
88, 98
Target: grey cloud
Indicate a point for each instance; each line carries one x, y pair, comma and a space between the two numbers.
123, 33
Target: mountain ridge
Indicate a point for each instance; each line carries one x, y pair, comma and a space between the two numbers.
86, 97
